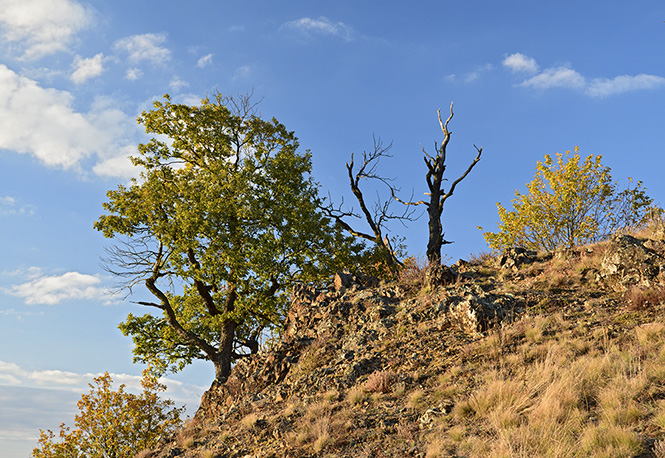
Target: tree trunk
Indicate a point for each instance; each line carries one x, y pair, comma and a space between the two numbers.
224, 356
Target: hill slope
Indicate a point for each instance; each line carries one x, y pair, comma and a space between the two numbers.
524, 356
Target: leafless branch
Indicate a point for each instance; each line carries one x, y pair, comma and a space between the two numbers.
380, 213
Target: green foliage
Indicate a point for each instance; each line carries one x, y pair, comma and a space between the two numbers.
113, 424
569, 202
223, 221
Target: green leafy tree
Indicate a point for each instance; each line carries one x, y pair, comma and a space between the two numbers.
569, 202
222, 223
113, 424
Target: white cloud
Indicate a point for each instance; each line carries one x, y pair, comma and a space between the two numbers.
31, 399
602, 87
556, 77
42, 27
9, 206
476, 74
84, 69
178, 83
242, 72
566, 77
14, 375
30, 272
42, 122
322, 26
146, 47
520, 63
132, 74
119, 165
204, 61
19, 314
51, 290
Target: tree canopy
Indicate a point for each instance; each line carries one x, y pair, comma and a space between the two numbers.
222, 222
113, 424
569, 202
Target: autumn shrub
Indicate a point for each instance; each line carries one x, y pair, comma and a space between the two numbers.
638, 297
569, 202
380, 382
113, 423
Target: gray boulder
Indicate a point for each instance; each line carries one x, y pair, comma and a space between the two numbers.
629, 261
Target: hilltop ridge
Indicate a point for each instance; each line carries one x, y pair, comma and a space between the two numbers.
525, 354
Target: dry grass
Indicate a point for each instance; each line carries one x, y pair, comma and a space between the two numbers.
416, 399
482, 258
185, 439
380, 382
412, 276
249, 421
653, 227
659, 449
560, 401
640, 297
356, 395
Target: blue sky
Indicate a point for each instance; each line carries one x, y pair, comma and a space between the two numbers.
527, 79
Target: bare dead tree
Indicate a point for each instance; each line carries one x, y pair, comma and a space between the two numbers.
436, 167
381, 212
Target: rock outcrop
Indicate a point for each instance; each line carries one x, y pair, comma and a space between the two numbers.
514, 258
332, 334
629, 261
355, 359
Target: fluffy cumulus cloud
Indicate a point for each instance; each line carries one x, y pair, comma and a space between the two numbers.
84, 69
51, 290
42, 122
568, 78
11, 374
520, 63
41, 27
144, 48
320, 26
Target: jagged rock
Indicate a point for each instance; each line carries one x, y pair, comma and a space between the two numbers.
343, 280
513, 258
629, 261
471, 310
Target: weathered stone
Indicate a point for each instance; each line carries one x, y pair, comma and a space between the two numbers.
472, 310
513, 258
629, 261
343, 281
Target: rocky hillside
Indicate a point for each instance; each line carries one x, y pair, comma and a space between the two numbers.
527, 355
